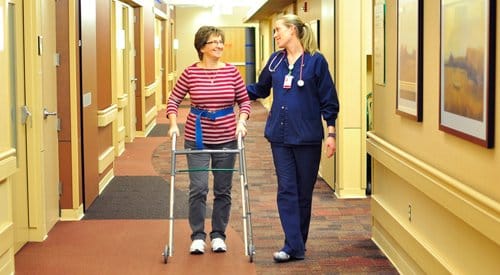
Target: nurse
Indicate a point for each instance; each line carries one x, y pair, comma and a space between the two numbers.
303, 95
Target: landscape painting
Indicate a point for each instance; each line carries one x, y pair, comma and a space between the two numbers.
410, 35
467, 70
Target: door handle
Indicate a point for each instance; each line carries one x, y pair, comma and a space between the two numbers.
133, 79
25, 114
47, 113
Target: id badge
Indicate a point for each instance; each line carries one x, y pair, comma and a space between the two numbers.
287, 84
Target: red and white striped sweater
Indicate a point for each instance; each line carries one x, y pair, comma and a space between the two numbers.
211, 89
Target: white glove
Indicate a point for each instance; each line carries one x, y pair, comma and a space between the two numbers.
173, 129
241, 127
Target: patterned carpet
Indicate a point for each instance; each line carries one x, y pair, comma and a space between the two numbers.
340, 237
339, 240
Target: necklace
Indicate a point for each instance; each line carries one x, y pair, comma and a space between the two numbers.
211, 76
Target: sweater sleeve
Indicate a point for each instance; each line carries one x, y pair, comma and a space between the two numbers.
241, 95
180, 90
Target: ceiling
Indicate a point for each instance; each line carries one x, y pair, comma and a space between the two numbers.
267, 8
209, 3
258, 9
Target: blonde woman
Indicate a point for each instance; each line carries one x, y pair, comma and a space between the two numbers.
303, 95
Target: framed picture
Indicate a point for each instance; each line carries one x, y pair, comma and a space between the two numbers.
379, 42
315, 28
467, 72
410, 52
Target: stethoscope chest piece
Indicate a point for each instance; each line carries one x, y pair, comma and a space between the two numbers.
272, 68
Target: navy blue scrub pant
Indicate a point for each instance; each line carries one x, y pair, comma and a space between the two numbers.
297, 170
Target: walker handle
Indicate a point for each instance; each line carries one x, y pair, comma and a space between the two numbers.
240, 140
174, 140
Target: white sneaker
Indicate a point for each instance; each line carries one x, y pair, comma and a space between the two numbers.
197, 247
218, 245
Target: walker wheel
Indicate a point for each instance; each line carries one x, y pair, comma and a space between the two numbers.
251, 252
165, 254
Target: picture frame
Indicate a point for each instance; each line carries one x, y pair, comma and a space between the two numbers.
379, 42
409, 101
315, 28
467, 70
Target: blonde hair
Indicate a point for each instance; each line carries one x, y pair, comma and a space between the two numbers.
304, 32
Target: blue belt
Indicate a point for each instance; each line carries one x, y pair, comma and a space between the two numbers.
207, 114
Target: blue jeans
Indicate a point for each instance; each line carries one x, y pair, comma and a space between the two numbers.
198, 189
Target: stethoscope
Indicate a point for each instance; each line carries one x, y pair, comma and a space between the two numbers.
272, 68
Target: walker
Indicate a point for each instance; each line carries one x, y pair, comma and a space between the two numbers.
247, 223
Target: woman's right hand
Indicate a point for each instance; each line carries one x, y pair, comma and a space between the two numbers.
173, 129
241, 127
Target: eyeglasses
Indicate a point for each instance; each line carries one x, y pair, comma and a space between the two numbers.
216, 42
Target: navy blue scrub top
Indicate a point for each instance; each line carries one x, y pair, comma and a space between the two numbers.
296, 112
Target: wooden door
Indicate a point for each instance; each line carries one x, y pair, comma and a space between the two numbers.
88, 61
159, 66
234, 48
130, 80
20, 120
119, 79
50, 152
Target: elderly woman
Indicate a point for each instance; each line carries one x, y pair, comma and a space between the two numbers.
214, 88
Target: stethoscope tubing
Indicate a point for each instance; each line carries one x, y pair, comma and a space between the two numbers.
300, 82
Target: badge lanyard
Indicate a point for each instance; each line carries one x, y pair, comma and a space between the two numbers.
287, 84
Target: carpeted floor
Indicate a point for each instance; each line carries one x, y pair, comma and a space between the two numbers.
138, 197
339, 240
126, 247
160, 130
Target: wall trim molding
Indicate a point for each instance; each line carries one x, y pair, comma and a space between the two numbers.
72, 214
151, 89
106, 180
477, 210
6, 237
151, 115
106, 158
107, 116
392, 233
122, 101
8, 163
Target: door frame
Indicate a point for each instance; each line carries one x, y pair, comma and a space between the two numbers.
19, 179
37, 198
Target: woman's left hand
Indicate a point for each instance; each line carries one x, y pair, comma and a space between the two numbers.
330, 146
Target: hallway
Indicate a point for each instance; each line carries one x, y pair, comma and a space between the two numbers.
339, 243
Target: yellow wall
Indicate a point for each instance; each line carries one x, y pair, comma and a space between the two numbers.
188, 20
448, 186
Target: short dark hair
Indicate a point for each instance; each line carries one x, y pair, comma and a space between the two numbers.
203, 34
